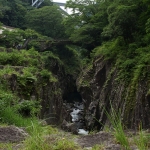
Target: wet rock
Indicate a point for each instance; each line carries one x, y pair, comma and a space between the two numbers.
80, 125
64, 125
90, 115
69, 127
72, 127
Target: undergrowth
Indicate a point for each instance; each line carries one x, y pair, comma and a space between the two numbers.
98, 147
11, 117
118, 131
142, 141
47, 138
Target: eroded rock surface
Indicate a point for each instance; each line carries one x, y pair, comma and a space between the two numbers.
12, 134
100, 89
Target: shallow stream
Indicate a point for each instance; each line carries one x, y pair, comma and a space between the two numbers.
78, 117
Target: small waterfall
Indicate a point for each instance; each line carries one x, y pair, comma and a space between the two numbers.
77, 117
83, 132
74, 115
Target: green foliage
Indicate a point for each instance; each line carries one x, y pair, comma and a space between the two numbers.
28, 108
7, 146
147, 28
49, 58
11, 117
118, 30
36, 142
122, 21
98, 147
9, 109
11, 38
71, 60
7, 71
66, 57
26, 68
47, 76
142, 140
64, 144
46, 138
26, 82
20, 39
29, 73
46, 3
47, 21
86, 24
13, 58
81, 80
6, 99
118, 131
13, 13
131, 59
110, 49
20, 58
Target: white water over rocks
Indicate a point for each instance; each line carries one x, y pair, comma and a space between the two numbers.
76, 116
83, 132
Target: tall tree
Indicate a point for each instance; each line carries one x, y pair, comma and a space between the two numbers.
122, 21
47, 21
13, 13
86, 23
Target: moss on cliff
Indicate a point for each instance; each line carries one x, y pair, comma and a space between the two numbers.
121, 78
26, 75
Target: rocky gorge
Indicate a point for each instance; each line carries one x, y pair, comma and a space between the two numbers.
97, 88
83, 104
87, 73
101, 90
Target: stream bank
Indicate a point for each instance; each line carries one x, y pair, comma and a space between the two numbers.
14, 137
77, 123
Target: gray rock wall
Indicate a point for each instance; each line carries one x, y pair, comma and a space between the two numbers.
105, 90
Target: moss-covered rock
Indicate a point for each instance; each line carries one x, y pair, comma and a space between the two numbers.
37, 80
107, 89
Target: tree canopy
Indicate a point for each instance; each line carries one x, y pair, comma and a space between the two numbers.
91, 23
12, 13
87, 22
47, 21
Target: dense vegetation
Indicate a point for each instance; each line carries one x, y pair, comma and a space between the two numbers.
25, 70
119, 30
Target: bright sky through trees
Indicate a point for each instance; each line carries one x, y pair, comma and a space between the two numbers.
63, 1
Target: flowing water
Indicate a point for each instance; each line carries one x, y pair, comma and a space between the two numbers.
74, 115
77, 117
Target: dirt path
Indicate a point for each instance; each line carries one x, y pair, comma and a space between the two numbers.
12, 134
105, 139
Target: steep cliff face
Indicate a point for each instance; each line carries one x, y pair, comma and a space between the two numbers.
104, 89
32, 79
47, 93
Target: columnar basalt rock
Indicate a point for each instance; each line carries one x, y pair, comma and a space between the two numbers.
48, 92
105, 90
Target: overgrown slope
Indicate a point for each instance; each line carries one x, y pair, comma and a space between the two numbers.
120, 78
